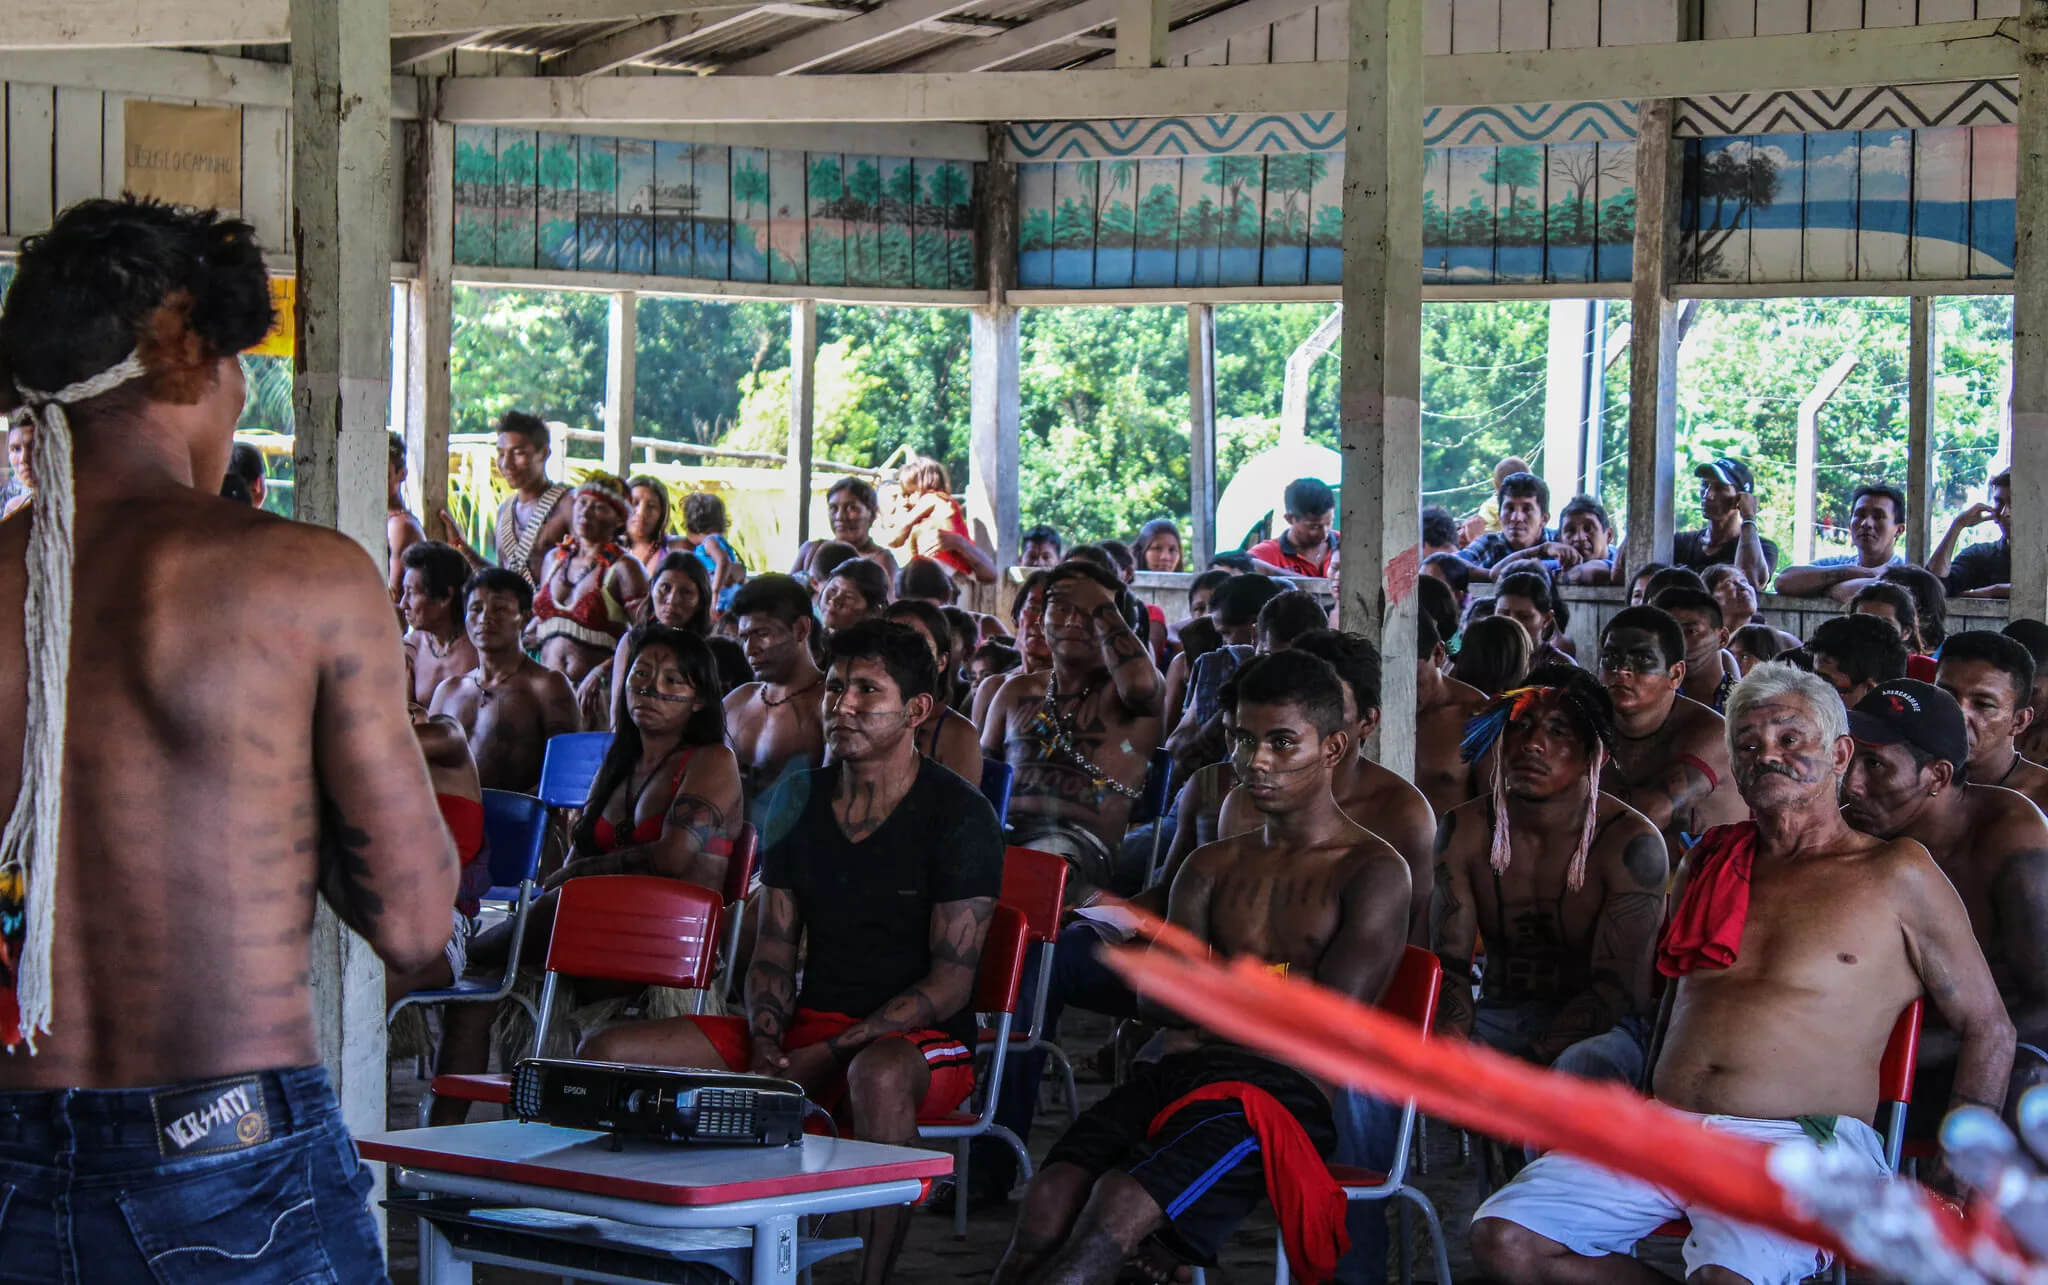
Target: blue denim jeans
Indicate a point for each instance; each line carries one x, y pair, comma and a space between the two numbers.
251, 1179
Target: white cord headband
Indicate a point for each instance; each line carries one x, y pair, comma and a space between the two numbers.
29, 845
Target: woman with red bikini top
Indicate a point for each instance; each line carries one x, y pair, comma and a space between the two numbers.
590, 587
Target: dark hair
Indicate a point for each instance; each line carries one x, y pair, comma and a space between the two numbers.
858, 489
1930, 600
1760, 641
1648, 571
964, 624
115, 277
397, 452
1427, 636
1198, 637
1586, 704
1476, 609
234, 488
531, 427
706, 725
902, 653
2032, 635
1237, 601
2000, 652
1892, 493
445, 571
1457, 575
1864, 648
1524, 486
1289, 678
933, 620
245, 461
922, 578
826, 557
1438, 526
1525, 584
1152, 531
772, 594
1120, 554
1209, 579
870, 579
660, 489
1355, 659
1083, 569
499, 580
1036, 580
1720, 571
1493, 656
1800, 657
1003, 656
703, 513
1236, 560
1656, 622
1673, 578
1287, 616
1897, 597
1682, 598
733, 670
1440, 604
1587, 504
2002, 477
1308, 496
1094, 555
691, 568
1041, 534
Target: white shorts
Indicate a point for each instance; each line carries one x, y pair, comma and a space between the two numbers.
460, 929
1594, 1211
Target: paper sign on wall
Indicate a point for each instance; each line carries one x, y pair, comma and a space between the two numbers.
284, 298
184, 155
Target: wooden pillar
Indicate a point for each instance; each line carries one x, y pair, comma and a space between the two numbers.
2030, 328
1141, 28
430, 243
1653, 343
1919, 421
1380, 388
341, 198
994, 511
622, 336
1202, 434
803, 396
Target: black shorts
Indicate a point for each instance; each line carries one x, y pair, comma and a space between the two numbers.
1203, 1166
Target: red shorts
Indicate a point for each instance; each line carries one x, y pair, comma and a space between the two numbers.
951, 1062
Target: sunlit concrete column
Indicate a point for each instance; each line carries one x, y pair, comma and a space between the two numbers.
2030, 328
621, 352
1653, 343
1202, 434
803, 400
430, 238
341, 197
993, 507
1380, 388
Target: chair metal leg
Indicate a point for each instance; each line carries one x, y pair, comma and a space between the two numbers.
1280, 1273
1016, 1144
1440, 1254
1066, 1066
961, 1151
1405, 1240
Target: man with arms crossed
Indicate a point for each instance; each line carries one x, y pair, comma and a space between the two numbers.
1906, 782
773, 722
1877, 517
533, 520
887, 867
230, 745
1795, 944
1080, 735
510, 704
1671, 753
1310, 892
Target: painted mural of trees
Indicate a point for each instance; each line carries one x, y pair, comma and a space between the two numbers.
1579, 168
1238, 222
1157, 218
1729, 182
1515, 168
1291, 178
475, 179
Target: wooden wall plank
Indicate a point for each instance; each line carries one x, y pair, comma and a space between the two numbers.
1835, 15
1998, 8
31, 137
1728, 19
1333, 32
1436, 28
1574, 24
113, 130
79, 172
1475, 27
1294, 38
1947, 10
1639, 22
1253, 47
1780, 17
1889, 13
266, 175
1524, 24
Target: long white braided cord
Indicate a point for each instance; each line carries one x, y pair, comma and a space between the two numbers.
29, 845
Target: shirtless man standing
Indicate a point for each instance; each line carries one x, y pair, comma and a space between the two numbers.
1832, 934
775, 723
1443, 706
533, 520
431, 600
1671, 753
223, 739
1570, 935
1905, 782
1992, 677
1310, 892
1081, 734
508, 705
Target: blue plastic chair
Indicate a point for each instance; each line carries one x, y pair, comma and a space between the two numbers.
996, 779
1152, 801
570, 765
515, 828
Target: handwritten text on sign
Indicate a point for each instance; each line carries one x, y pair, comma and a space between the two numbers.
183, 155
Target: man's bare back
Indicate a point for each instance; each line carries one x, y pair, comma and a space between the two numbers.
509, 722
1679, 775
235, 727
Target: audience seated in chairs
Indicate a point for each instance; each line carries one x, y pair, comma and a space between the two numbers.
430, 601
946, 738
680, 598
509, 705
1443, 705
1710, 672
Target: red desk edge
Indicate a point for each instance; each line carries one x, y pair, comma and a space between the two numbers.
939, 1165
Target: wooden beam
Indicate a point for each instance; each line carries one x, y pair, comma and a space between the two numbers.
1141, 32
1202, 430
1893, 55
823, 44
622, 333
177, 74
994, 509
407, 50
803, 406
642, 40
430, 211
1040, 33
84, 24
2030, 328
1380, 387
1919, 419
1653, 342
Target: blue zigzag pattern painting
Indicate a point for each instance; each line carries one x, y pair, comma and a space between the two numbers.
1271, 135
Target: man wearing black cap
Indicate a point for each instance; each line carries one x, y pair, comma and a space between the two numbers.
1728, 499
1906, 781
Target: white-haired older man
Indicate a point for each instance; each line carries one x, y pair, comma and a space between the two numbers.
1795, 943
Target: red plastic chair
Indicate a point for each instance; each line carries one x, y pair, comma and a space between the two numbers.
616, 928
995, 996
1036, 884
739, 880
1894, 1095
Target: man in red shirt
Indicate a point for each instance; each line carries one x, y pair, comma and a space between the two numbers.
1307, 545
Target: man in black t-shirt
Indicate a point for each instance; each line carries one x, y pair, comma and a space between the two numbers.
890, 866
1728, 501
1984, 570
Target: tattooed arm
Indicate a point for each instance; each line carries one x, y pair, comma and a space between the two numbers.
1137, 681
706, 808
1624, 945
771, 978
1669, 796
1453, 928
385, 861
1187, 904
559, 712
958, 929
